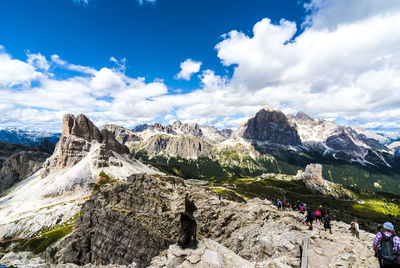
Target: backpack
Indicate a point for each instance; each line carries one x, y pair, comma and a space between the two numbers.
386, 253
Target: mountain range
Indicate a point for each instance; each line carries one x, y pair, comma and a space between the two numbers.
102, 185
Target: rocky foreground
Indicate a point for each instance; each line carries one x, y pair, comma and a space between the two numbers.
136, 224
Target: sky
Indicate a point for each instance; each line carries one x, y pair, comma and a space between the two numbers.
214, 62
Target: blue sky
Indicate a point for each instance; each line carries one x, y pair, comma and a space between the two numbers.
120, 61
154, 37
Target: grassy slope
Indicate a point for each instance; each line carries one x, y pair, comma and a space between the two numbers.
43, 239
231, 164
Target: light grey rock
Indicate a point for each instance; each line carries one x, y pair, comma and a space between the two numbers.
183, 146
20, 166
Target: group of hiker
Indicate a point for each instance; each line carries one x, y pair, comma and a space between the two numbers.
285, 205
386, 244
321, 215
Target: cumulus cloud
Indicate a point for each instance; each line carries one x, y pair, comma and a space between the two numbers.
347, 67
352, 68
188, 67
16, 73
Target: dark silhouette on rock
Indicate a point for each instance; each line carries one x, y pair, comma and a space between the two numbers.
188, 225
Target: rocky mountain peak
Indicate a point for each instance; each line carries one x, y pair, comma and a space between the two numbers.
192, 129
269, 108
301, 116
80, 126
271, 125
78, 133
177, 123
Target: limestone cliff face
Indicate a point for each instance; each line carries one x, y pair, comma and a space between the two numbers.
19, 166
313, 173
183, 146
17, 162
81, 127
272, 126
78, 134
122, 135
191, 129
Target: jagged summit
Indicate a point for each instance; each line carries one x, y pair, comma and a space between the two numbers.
301, 116
269, 108
270, 125
81, 127
76, 140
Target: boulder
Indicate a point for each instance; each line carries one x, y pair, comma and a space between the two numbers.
208, 254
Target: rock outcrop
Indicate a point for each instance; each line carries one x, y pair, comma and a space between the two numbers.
28, 259
191, 129
17, 162
139, 220
183, 146
312, 175
122, 135
269, 125
81, 127
207, 254
313, 179
78, 135
19, 166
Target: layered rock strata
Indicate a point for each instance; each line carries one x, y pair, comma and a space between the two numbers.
272, 126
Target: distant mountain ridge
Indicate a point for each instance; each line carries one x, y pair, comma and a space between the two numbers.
27, 137
272, 128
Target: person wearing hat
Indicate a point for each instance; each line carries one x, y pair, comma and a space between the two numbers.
355, 228
386, 237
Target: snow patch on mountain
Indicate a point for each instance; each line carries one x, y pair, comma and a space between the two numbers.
37, 202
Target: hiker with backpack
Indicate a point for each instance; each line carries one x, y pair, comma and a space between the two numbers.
387, 246
279, 203
327, 222
318, 216
355, 228
310, 218
302, 210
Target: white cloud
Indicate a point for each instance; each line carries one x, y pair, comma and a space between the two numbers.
347, 67
38, 61
188, 67
15, 73
330, 14
73, 67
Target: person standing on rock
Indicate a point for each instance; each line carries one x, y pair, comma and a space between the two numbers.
387, 246
279, 203
318, 216
310, 218
327, 222
355, 228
